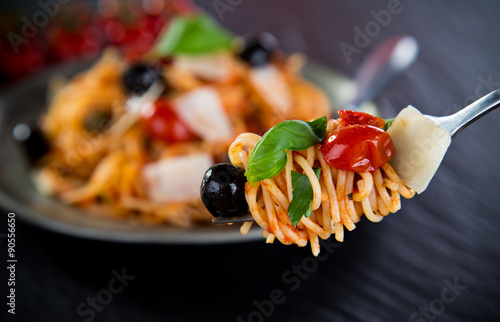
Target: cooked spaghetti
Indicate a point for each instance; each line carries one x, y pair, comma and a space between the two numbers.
340, 197
116, 167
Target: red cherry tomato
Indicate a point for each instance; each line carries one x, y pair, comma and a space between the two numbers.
358, 148
353, 117
161, 122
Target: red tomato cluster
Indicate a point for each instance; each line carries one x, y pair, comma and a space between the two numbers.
359, 144
75, 31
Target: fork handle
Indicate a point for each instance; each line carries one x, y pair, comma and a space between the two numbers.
455, 123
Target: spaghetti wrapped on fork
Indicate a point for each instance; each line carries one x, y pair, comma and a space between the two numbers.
309, 180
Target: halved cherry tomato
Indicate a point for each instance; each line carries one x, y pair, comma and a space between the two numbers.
353, 117
357, 148
160, 121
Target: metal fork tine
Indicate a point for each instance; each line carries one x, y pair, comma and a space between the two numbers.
229, 220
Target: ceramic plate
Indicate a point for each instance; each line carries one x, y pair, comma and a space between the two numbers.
26, 101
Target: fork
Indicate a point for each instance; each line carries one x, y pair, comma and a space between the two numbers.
452, 124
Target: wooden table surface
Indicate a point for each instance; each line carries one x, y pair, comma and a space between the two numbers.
435, 260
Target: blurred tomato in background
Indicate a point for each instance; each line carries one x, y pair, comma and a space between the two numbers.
60, 31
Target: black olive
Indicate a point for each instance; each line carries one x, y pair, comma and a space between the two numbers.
223, 190
97, 120
258, 48
139, 78
32, 139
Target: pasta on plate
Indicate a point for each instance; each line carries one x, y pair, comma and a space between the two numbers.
132, 139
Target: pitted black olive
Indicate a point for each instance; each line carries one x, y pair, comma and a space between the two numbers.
32, 140
140, 77
223, 190
258, 48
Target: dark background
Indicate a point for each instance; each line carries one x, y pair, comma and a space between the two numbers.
382, 272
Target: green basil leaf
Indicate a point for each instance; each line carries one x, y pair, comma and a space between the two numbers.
268, 157
191, 35
318, 126
388, 123
302, 197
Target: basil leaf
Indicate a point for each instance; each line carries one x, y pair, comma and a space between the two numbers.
388, 123
268, 157
318, 126
193, 34
302, 197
